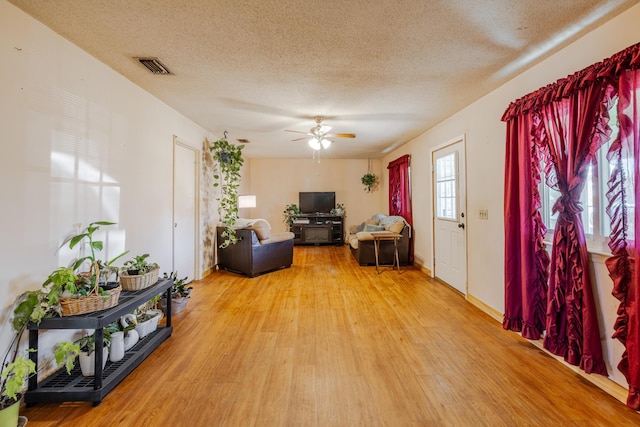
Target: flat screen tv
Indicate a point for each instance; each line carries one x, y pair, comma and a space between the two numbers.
313, 202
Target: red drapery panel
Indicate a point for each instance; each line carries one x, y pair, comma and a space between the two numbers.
591, 88
400, 193
526, 260
625, 230
575, 130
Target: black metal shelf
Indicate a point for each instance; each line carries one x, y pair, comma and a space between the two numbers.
63, 387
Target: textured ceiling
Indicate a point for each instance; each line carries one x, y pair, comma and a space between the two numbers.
386, 70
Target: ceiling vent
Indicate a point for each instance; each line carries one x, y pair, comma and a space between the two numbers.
154, 65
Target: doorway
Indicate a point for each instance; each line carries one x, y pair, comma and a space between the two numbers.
185, 209
449, 214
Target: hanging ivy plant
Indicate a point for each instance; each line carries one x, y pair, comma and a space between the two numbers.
227, 162
369, 181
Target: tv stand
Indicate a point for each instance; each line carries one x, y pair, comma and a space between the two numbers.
318, 229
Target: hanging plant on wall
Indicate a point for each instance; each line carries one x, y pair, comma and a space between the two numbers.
227, 162
369, 180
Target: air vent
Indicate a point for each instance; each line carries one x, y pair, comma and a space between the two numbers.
154, 65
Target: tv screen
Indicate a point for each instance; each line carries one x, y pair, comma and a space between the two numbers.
312, 202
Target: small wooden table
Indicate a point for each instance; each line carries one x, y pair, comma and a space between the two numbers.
378, 236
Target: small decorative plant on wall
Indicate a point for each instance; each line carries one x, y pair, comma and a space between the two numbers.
227, 164
369, 180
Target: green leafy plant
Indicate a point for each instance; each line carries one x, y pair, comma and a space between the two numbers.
94, 245
338, 210
290, 214
228, 162
179, 289
15, 372
139, 265
65, 354
31, 307
369, 180
87, 344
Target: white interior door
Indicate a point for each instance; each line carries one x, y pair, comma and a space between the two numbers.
450, 237
185, 208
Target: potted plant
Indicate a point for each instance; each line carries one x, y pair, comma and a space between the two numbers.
291, 213
31, 306
180, 293
13, 377
138, 273
338, 210
94, 245
369, 180
228, 162
99, 297
86, 356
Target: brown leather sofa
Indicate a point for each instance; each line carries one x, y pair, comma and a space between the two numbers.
361, 242
253, 256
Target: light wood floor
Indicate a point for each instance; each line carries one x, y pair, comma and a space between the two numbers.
330, 343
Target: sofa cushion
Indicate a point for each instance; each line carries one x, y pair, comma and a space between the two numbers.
396, 227
278, 237
373, 221
242, 223
262, 229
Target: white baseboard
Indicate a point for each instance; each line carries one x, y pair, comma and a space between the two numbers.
608, 386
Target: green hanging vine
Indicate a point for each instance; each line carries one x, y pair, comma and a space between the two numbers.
227, 162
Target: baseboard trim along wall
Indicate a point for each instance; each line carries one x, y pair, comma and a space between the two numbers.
608, 386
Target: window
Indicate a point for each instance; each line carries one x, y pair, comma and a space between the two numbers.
446, 183
594, 195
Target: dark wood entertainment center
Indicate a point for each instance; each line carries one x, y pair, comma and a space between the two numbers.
318, 229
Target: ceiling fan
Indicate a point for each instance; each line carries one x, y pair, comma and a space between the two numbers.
319, 134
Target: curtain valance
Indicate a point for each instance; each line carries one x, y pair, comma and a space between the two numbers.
609, 70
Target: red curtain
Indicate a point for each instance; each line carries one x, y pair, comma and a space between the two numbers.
526, 259
400, 193
572, 140
573, 126
625, 231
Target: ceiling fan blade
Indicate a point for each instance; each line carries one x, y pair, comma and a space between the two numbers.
324, 129
296, 131
341, 135
300, 139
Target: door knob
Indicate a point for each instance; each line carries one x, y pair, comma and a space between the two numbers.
461, 226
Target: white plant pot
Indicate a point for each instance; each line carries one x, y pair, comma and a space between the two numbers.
177, 304
88, 362
150, 325
116, 350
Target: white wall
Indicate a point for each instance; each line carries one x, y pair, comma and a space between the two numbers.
485, 136
276, 183
80, 143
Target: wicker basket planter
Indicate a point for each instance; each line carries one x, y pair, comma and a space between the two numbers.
139, 281
74, 305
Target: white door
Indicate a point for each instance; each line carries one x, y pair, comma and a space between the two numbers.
185, 208
450, 237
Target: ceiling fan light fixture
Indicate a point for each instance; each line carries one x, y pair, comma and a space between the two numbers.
314, 143
325, 143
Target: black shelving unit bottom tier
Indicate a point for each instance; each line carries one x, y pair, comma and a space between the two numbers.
63, 387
